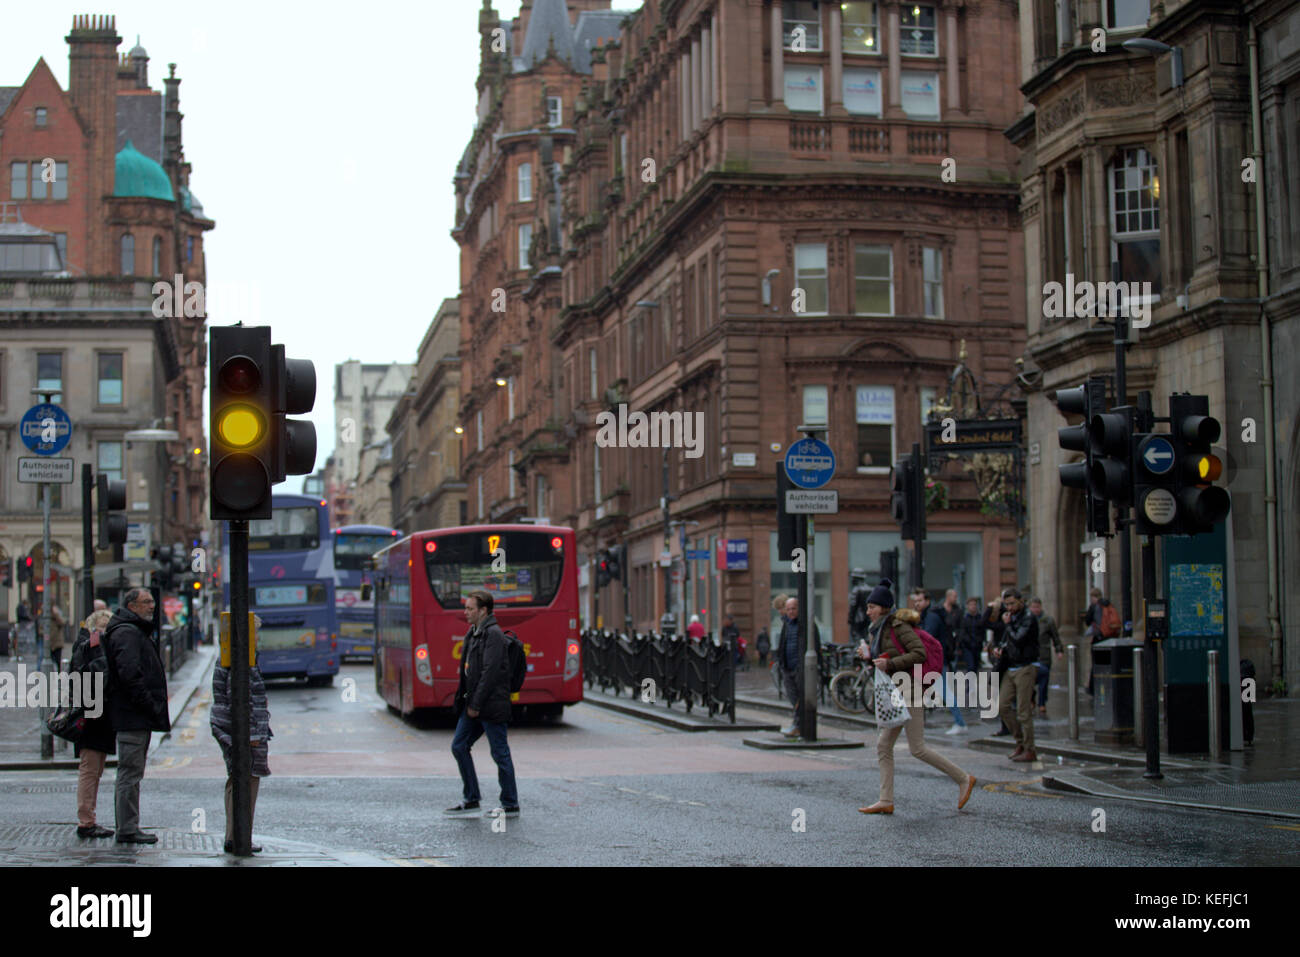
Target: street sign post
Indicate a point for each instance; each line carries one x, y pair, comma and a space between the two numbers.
33, 470
809, 466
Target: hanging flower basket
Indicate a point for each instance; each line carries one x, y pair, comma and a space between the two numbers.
936, 495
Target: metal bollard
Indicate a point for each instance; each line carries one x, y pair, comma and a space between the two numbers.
1072, 688
1138, 704
1216, 748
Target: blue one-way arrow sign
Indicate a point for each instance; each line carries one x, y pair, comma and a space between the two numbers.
1157, 454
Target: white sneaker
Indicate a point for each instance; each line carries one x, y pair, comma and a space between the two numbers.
956, 729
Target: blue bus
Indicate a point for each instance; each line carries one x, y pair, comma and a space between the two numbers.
354, 545
291, 587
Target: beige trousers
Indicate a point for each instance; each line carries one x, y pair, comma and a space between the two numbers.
1019, 717
916, 745
89, 771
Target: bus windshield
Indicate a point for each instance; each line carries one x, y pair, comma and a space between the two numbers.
527, 574
352, 551
288, 529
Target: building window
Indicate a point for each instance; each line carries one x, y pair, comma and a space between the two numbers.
157, 256
59, 188
874, 411
510, 399
810, 276
478, 425
479, 485
525, 182
591, 361
61, 240
108, 460
873, 281
802, 13
110, 378
462, 509
919, 94
42, 116
1135, 217
932, 277
128, 255
861, 33
18, 180
803, 89
38, 181
554, 111
595, 473
1124, 14
510, 472
541, 496
916, 33
861, 92
189, 249
49, 374
525, 240
929, 396
815, 405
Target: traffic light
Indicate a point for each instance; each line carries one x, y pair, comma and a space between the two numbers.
241, 466
614, 558
1201, 504
25, 569
1086, 400
1155, 462
180, 563
7, 573
603, 576
294, 393
1111, 472
907, 498
162, 554
111, 502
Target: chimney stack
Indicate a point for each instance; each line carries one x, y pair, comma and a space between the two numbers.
92, 86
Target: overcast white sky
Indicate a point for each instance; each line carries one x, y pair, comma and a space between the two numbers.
323, 139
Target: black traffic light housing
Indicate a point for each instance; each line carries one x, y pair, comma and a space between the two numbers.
614, 557
25, 565
602, 568
242, 463
162, 555
1155, 477
787, 523
1201, 504
7, 573
907, 497
294, 393
1086, 400
111, 506
1111, 472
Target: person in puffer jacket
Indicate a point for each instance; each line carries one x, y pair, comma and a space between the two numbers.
895, 646
259, 727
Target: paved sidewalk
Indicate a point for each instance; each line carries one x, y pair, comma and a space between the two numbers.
47, 845
20, 728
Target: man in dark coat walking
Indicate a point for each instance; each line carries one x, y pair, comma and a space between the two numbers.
483, 703
137, 704
792, 665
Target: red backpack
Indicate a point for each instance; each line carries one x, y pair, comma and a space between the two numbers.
933, 652
1110, 623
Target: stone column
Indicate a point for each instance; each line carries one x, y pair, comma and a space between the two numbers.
891, 44
715, 65
684, 92
778, 56
950, 52
836, 91
706, 78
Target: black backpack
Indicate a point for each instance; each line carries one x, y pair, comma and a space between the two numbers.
517, 660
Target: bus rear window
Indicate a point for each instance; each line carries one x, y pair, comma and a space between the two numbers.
352, 551
288, 529
528, 574
268, 596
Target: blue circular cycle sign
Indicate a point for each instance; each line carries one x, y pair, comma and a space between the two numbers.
45, 429
809, 463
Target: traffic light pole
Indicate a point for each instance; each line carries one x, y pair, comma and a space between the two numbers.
87, 541
42, 640
1122, 511
241, 752
1150, 716
918, 496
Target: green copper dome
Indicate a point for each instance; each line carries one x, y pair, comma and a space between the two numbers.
138, 175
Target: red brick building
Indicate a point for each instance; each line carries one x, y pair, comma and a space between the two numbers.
716, 159
120, 208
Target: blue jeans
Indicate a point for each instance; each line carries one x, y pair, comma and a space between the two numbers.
957, 719
469, 730
1044, 675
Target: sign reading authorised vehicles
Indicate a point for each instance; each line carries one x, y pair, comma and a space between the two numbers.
799, 501
58, 471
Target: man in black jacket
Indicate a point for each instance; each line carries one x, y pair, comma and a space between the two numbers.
1017, 653
137, 704
791, 664
483, 703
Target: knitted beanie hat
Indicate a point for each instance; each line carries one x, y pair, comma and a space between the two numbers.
881, 594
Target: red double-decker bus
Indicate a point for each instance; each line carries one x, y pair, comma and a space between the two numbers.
532, 574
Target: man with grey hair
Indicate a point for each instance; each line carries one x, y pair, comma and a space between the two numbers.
137, 704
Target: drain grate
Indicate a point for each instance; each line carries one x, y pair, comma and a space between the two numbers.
65, 835
49, 789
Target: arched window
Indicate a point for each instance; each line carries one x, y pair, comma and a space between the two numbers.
128, 255
157, 256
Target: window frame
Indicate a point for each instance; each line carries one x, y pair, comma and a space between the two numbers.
938, 95
156, 257
893, 298
554, 111
100, 380
902, 26
874, 25
821, 89
38, 182
125, 248
787, 37
825, 278
15, 179
41, 117
1139, 235
934, 253
525, 239
524, 183
101, 468
58, 393
851, 71
808, 391
1106, 18
893, 431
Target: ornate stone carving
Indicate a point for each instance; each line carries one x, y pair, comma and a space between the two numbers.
1060, 112
1121, 91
